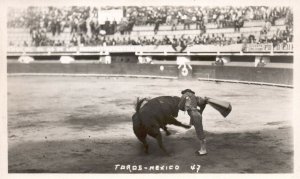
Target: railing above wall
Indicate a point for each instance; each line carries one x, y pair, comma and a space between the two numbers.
233, 49
258, 48
287, 48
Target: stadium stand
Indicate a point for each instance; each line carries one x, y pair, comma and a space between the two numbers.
51, 26
201, 36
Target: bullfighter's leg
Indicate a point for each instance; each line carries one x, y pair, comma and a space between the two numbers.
172, 120
196, 118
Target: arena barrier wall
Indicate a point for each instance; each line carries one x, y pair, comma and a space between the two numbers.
93, 68
266, 75
281, 76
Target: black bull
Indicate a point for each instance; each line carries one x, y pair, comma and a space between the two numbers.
155, 114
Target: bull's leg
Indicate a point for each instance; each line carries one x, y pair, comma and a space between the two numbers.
146, 146
159, 141
166, 130
172, 120
157, 135
140, 132
142, 138
163, 126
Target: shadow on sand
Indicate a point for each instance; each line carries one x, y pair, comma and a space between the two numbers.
252, 152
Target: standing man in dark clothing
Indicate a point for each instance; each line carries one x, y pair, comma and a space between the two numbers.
114, 26
107, 26
157, 23
189, 103
130, 25
58, 26
53, 26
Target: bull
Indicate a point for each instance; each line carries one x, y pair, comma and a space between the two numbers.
153, 114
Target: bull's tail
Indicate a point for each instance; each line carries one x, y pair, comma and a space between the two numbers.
138, 127
139, 103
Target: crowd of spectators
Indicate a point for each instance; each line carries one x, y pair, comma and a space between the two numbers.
86, 30
40, 20
223, 16
281, 36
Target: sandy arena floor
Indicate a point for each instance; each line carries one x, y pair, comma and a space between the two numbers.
83, 124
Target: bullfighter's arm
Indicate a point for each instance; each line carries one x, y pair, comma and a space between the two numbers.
181, 104
201, 102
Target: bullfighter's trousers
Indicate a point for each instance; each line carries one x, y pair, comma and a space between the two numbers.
196, 120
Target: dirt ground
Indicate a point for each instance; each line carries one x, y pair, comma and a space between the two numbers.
83, 125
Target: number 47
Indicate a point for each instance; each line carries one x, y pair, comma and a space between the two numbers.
195, 168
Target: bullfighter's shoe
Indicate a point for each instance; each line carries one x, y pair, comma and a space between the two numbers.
202, 150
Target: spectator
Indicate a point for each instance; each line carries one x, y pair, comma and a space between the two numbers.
169, 20
106, 26
274, 41
199, 20
212, 39
114, 26
266, 27
220, 21
166, 41
239, 40
251, 38
82, 26
157, 23
123, 26
238, 23
58, 26
57, 43
263, 38
53, 27
218, 40
74, 41
174, 22
94, 26
113, 42
223, 40
74, 25
131, 23
186, 22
